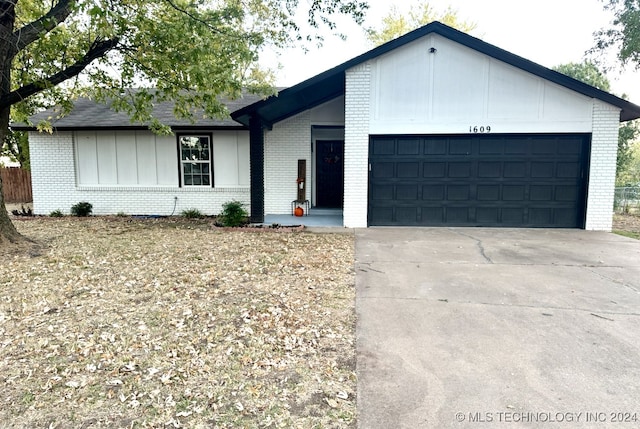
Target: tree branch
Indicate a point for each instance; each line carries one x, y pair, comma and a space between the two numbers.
98, 49
33, 31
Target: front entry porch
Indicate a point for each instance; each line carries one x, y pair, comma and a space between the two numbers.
318, 217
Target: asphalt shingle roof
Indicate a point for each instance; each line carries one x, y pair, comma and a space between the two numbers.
88, 114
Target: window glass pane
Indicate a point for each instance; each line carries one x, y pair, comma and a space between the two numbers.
195, 153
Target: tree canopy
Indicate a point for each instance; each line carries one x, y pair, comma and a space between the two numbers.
189, 51
624, 35
589, 73
395, 23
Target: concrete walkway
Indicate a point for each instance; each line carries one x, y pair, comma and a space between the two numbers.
466, 328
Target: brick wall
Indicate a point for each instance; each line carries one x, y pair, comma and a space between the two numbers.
356, 156
285, 144
604, 149
54, 186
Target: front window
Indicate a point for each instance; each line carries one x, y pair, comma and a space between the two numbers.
195, 160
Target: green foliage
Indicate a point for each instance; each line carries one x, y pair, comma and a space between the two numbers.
630, 176
396, 24
56, 213
193, 53
589, 73
586, 72
233, 214
16, 147
624, 35
121, 214
192, 214
82, 209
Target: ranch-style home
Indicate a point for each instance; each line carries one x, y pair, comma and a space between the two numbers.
436, 128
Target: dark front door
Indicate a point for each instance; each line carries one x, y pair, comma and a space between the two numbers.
329, 173
536, 180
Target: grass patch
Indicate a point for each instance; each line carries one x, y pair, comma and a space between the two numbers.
630, 234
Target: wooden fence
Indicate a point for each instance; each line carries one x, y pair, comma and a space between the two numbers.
16, 185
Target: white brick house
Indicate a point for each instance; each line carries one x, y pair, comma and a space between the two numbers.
433, 128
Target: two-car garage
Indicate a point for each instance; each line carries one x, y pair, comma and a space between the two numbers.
443, 129
537, 180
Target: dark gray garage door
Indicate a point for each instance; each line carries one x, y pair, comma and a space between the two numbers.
479, 180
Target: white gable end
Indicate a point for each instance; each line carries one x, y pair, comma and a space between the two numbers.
434, 85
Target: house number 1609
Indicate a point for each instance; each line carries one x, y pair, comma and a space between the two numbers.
479, 129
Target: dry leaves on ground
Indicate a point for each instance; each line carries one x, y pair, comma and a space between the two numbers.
161, 323
626, 222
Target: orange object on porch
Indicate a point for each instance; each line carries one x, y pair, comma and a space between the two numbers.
299, 211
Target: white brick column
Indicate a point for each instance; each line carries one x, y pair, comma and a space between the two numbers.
356, 145
285, 144
602, 172
52, 171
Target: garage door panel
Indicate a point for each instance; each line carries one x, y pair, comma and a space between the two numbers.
566, 193
433, 192
568, 170
434, 169
542, 170
512, 216
383, 193
488, 192
564, 218
384, 147
488, 215
483, 180
460, 170
489, 169
542, 216
407, 192
409, 147
457, 215
541, 193
460, 147
458, 192
383, 170
513, 192
435, 146
381, 216
516, 147
491, 147
408, 170
407, 215
514, 170
432, 215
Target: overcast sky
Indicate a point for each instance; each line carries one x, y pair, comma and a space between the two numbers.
548, 32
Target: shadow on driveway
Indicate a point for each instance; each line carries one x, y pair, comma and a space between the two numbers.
473, 327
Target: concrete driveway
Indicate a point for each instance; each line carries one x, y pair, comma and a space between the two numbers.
470, 328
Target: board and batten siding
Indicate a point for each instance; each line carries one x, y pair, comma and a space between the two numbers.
133, 158
132, 172
416, 91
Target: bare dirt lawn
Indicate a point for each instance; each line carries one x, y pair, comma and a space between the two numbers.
116, 322
627, 225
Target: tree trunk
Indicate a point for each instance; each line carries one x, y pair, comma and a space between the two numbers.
8, 232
